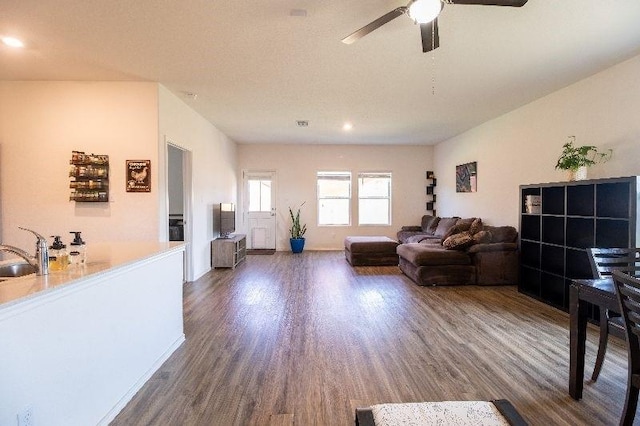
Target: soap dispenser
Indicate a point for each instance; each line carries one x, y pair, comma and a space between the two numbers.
58, 257
78, 250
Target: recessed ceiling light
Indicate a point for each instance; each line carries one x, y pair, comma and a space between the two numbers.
12, 42
347, 126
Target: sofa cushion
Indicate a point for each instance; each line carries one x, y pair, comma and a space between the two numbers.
425, 254
444, 224
411, 228
502, 234
479, 248
423, 238
404, 236
465, 223
429, 224
482, 237
458, 241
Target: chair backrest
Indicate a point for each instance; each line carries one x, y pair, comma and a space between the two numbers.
628, 293
606, 260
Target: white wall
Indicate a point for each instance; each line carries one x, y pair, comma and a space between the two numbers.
214, 171
40, 124
296, 168
522, 146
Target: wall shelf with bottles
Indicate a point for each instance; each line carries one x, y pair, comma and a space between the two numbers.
431, 196
89, 175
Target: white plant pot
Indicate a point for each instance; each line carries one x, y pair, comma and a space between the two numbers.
579, 174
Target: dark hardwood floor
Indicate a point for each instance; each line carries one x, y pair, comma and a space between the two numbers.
304, 339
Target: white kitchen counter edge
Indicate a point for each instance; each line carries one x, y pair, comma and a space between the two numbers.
72, 280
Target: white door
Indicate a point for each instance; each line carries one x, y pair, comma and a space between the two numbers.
260, 209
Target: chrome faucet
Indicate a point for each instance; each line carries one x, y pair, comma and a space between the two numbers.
41, 259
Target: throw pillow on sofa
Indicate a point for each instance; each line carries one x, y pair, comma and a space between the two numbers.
458, 241
462, 225
476, 226
463, 240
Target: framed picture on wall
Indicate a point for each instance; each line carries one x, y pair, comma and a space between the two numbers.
138, 175
467, 177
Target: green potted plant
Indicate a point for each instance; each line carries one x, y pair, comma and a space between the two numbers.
297, 231
576, 159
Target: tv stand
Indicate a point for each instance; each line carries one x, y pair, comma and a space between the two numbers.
227, 252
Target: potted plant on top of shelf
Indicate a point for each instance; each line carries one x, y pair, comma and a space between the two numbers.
297, 231
576, 159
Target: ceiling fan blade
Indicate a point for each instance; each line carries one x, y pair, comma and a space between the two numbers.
357, 35
430, 37
513, 3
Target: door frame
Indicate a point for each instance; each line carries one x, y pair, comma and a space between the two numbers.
187, 190
245, 200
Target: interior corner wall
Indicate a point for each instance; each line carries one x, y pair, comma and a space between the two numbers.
522, 146
41, 122
213, 171
296, 167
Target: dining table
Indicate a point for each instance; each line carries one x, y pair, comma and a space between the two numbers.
582, 292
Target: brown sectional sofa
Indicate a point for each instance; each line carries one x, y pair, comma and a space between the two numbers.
455, 251
432, 230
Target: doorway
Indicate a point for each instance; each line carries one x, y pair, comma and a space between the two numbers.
175, 187
260, 208
179, 202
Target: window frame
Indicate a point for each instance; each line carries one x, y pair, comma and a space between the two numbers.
336, 175
389, 197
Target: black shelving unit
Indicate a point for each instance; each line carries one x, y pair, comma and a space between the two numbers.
431, 185
571, 217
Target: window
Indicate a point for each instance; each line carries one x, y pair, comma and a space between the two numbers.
334, 198
259, 195
374, 198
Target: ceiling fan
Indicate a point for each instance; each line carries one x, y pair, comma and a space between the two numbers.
425, 13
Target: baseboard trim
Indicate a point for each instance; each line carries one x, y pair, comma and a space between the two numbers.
138, 385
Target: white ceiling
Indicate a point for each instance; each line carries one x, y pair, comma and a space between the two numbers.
257, 70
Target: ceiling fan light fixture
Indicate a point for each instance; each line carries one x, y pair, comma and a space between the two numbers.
423, 11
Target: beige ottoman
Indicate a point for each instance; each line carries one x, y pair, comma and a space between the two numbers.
370, 251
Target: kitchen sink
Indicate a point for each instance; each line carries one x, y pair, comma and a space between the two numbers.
16, 270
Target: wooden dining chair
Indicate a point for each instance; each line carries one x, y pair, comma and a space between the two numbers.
628, 293
603, 262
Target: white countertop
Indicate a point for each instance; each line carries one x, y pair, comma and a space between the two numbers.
101, 259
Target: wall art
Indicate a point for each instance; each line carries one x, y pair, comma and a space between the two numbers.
138, 175
467, 177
